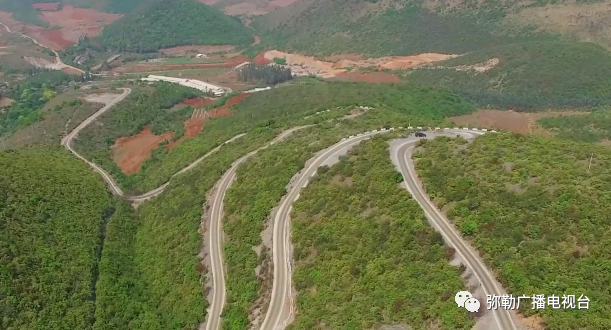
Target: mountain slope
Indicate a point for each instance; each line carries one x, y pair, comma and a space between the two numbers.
406, 27
537, 210
51, 211
528, 76
170, 23
377, 28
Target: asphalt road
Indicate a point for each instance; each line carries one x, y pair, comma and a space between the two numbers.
67, 142
112, 184
401, 154
281, 307
215, 231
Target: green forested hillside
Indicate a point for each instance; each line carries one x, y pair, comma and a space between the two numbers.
427, 106
169, 23
52, 207
529, 76
594, 127
378, 28
364, 253
260, 185
30, 96
536, 212
151, 277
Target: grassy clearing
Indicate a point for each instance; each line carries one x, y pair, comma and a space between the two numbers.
177, 73
191, 60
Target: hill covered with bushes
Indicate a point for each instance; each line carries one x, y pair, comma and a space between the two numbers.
170, 23
528, 76
52, 207
536, 210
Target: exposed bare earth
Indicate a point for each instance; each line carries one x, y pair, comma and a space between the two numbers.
73, 23
130, 152
206, 49
76, 22
338, 64
518, 122
248, 8
369, 77
5, 102
477, 67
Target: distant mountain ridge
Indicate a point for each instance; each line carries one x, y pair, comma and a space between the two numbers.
406, 27
170, 23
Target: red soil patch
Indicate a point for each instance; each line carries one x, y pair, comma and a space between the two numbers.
199, 102
194, 126
369, 77
517, 122
51, 38
130, 152
236, 99
50, 6
74, 23
261, 60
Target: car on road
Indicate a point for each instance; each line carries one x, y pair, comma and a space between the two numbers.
420, 134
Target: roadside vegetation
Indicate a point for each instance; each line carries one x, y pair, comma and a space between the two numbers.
276, 107
29, 97
530, 76
260, 185
120, 295
52, 208
160, 282
146, 106
536, 211
374, 248
594, 127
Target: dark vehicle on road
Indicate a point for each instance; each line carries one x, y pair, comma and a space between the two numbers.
420, 134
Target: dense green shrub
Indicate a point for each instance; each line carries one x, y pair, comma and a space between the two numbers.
52, 208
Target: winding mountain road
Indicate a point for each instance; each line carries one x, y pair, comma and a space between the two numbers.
112, 184
281, 307
67, 142
401, 154
58, 59
213, 317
